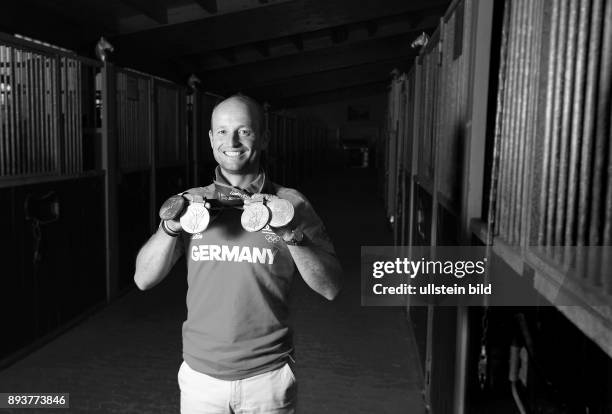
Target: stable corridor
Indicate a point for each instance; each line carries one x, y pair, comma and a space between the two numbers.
350, 359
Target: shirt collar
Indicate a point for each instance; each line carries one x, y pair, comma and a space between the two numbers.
255, 186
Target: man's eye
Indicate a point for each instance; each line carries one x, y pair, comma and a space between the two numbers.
245, 132
221, 131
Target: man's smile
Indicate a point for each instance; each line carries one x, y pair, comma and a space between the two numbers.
233, 153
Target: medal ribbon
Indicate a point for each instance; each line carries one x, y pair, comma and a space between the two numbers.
235, 196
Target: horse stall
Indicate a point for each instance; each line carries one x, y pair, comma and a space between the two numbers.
51, 192
520, 163
88, 152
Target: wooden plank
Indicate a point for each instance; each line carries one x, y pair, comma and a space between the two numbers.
256, 25
155, 9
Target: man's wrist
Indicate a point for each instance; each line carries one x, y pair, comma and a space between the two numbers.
294, 237
166, 229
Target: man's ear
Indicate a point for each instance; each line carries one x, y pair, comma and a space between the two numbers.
210, 135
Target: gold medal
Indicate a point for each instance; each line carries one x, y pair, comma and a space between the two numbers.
196, 218
255, 217
282, 212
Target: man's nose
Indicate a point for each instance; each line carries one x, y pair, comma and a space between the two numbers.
234, 139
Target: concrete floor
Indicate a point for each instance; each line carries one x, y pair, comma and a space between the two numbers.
350, 359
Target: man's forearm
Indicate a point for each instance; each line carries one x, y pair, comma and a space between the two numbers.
155, 259
319, 269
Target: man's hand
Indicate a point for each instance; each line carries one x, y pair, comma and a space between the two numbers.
312, 251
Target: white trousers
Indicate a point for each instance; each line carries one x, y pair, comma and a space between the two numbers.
273, 392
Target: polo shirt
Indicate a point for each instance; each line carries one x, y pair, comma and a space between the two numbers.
238, 287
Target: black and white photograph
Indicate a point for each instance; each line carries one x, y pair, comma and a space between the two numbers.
306, 206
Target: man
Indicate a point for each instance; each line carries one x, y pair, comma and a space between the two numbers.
236, 342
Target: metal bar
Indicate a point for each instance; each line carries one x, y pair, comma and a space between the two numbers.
120, 115
4, 121
62, 116
59, 126
36, 87
35, 115
559, 54
599, 230
68, 117
566, 117
516, 127
38, 113
532, 40
43, 111
607, 65
27, 145
533, 123
21, 142
79, 117
19, 155
50, 112
576, 124
10, 143
600, 138
74, 114
32, 150
506, 141
548, 127
7, 124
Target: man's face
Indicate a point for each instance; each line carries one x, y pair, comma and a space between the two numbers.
236, 138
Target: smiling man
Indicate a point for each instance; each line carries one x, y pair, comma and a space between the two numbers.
237, 345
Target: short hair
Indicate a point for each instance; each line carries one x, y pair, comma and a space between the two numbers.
259, 109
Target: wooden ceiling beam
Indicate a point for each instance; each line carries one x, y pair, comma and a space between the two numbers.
332, 58
386, 28
259, 24
208, 5
154, 9
325, 81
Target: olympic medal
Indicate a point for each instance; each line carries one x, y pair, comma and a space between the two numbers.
172, 207
196, 218
258, 197
255, 217
282, 212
